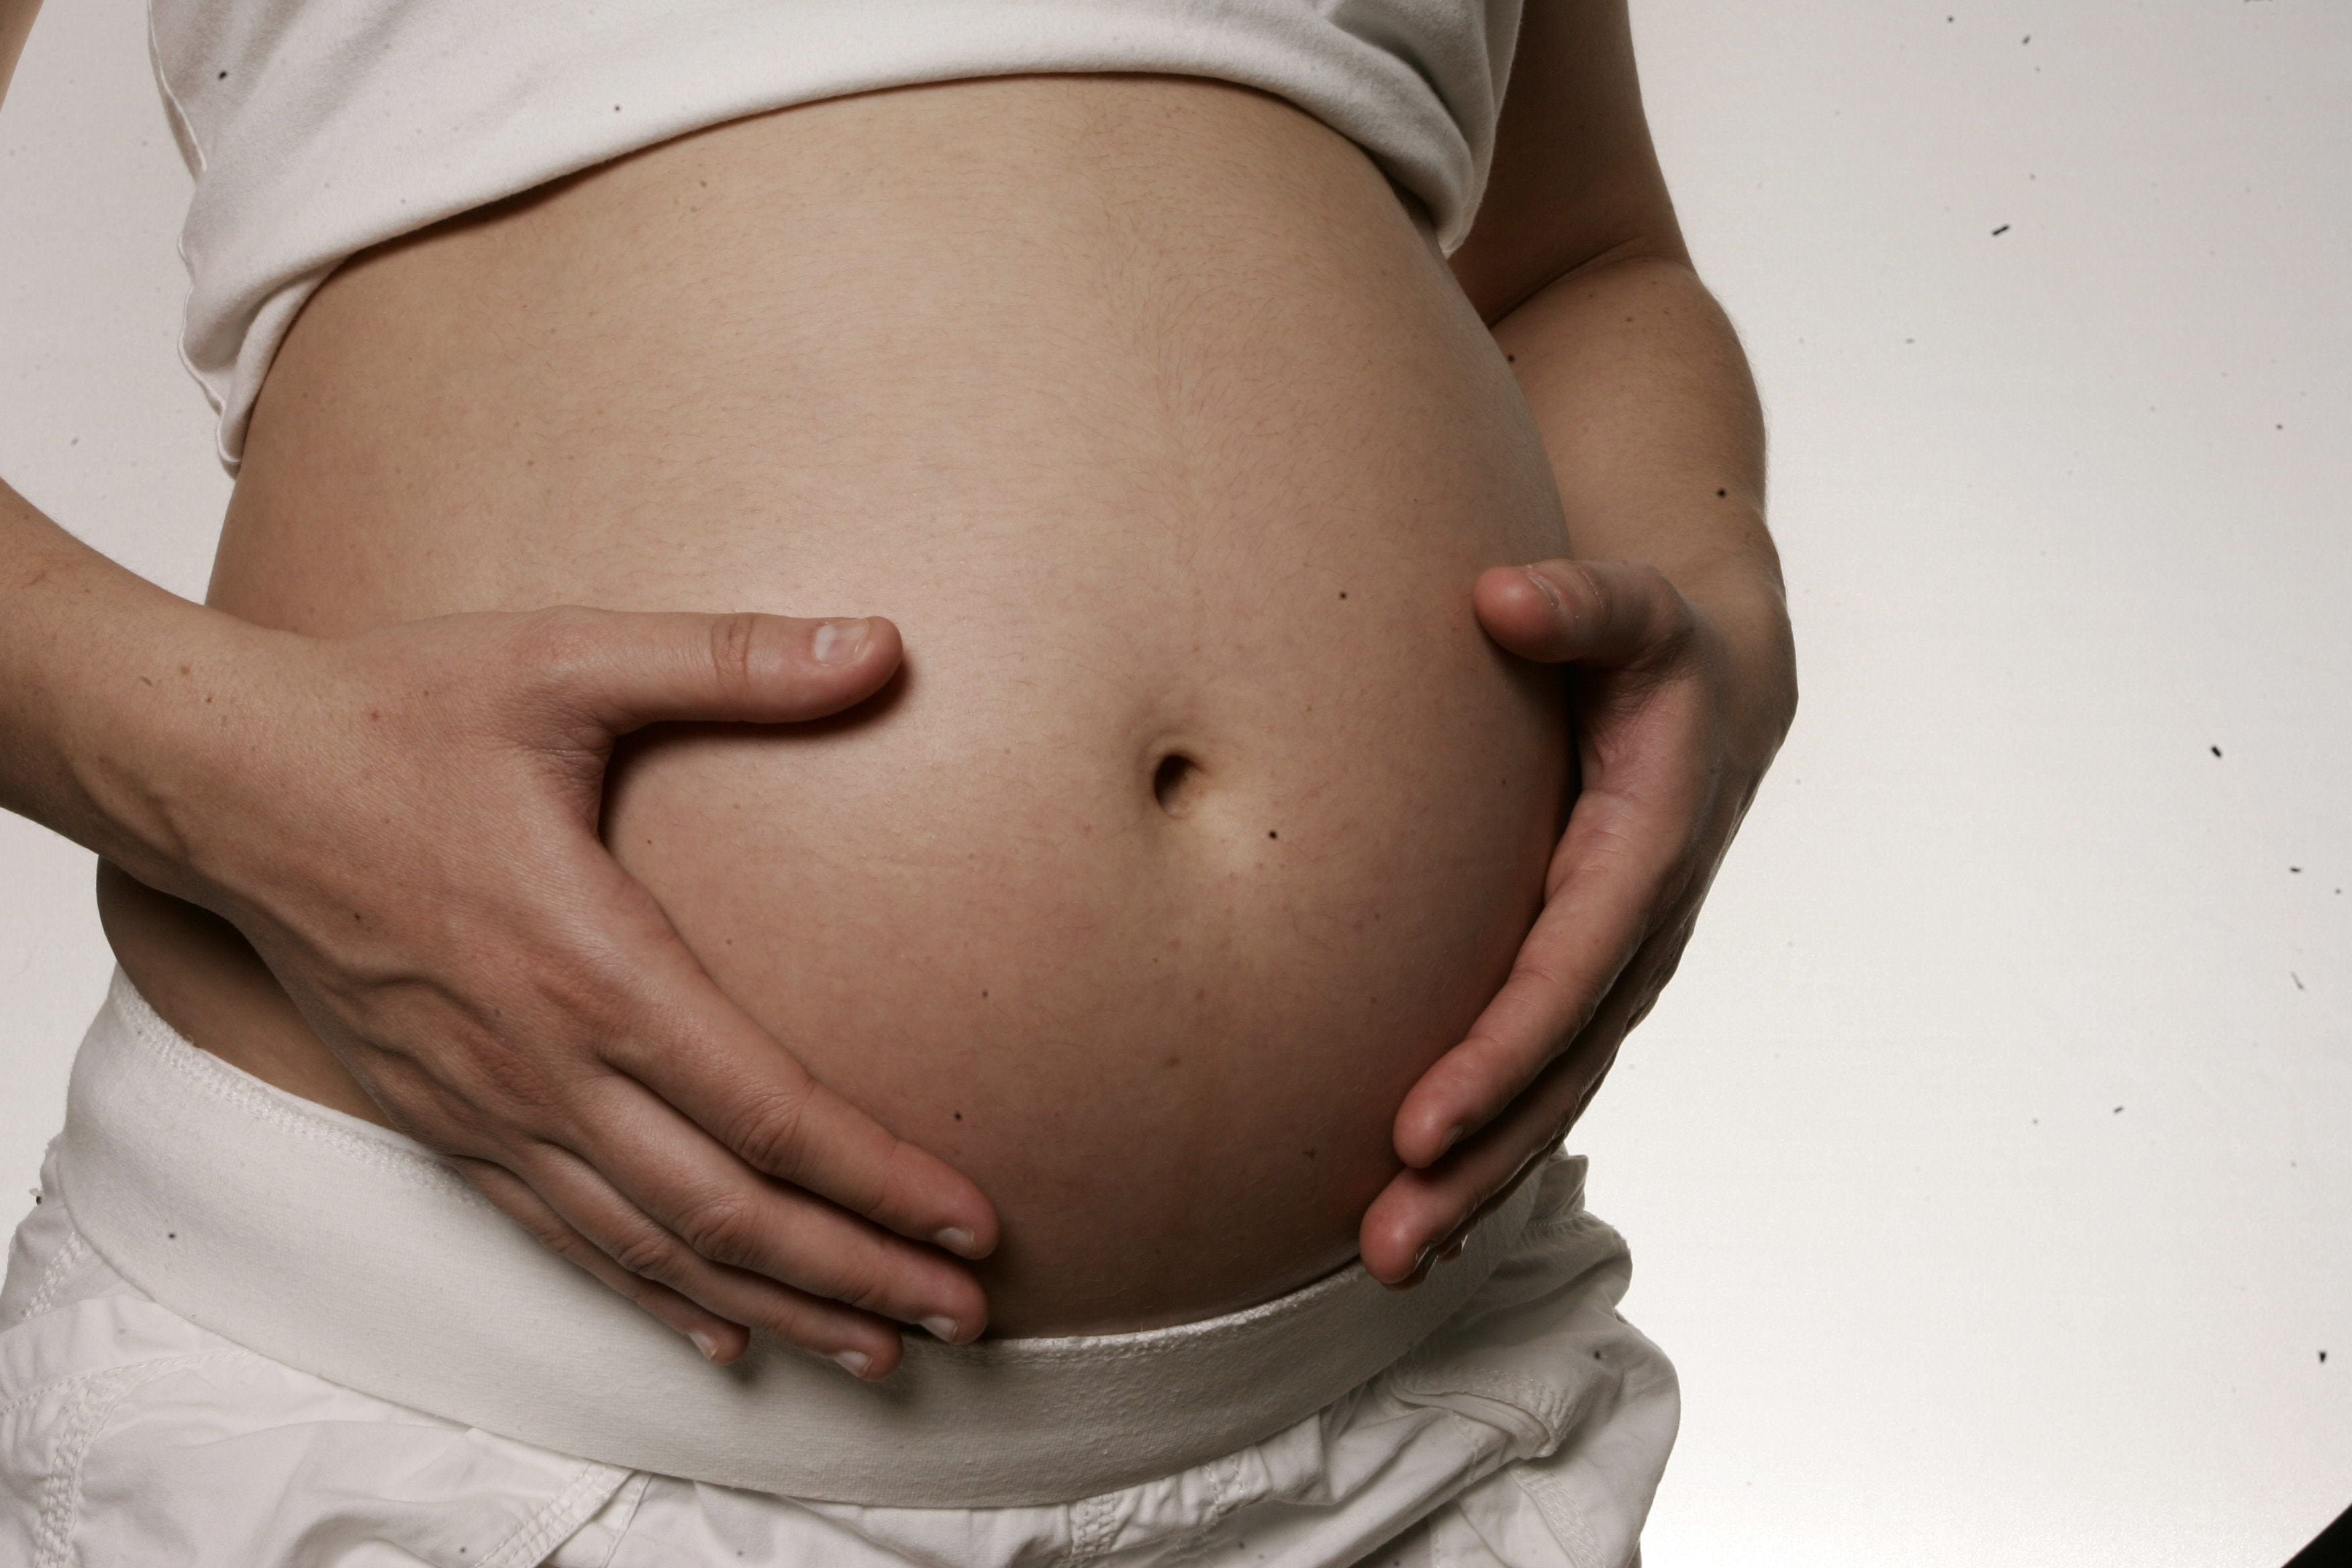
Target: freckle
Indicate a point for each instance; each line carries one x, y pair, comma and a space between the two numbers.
1343, 592
1173, 1062
1310, 1154
959, 1116
983, 996
144, 681
1720, 494
1270, 833
183, 669
1510, 358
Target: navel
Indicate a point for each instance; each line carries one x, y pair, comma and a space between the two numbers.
1175, 781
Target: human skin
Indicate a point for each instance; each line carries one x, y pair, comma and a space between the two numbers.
1675, 648
1202, 817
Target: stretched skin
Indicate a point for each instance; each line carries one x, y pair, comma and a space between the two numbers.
1203, 818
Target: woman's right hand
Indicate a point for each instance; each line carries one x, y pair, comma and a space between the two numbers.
403, 824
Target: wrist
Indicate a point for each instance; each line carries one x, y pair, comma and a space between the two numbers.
168, 741
1745, 607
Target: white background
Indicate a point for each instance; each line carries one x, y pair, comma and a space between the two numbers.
1986, 1168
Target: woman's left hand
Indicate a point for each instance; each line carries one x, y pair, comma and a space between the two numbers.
1679, 704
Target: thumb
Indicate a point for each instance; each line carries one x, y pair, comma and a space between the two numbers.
626, 669
1608, 612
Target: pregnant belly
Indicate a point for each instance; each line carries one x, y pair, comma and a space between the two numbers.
1202, 818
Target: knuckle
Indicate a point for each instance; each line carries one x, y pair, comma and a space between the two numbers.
1540, 973
773, 1134
554, 643
865, 1284
720, 1226
650, 1252
888, 1189
602, 1007
506, 1088
538, 1222
798, 1325
736, 649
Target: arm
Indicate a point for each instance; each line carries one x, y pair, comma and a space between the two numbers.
404, 825
16, 27
1672, 610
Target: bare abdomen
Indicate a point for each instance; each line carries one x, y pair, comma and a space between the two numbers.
1202, 817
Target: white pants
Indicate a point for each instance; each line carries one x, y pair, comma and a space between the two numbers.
1526, 1429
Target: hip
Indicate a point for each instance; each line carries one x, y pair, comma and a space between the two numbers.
1520, 1410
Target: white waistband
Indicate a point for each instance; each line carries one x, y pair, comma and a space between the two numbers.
349, 1251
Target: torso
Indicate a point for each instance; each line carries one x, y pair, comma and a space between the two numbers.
1142, 408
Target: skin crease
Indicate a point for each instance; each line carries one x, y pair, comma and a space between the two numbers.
1138, 405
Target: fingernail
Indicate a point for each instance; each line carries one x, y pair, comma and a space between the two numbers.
1453, 1136
857, 1362
837, 642
705, 1343
1451, 1253
1421, 1258
958, 1240
944, 1328
1551, 593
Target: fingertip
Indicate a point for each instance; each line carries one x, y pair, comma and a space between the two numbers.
1434, 1117
869, 1361
1412, 1274
1386, 1245
721, 1342
965, 1243
866, 646
883, 642
1543, 585
1520, 607
1508, 584
1429, 1138
1512, 595
964, 1220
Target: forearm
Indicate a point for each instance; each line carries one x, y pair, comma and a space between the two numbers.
108, 684
1650, 417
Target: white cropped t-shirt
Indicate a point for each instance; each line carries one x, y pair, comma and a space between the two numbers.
318, 127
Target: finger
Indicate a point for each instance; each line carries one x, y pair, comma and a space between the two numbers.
732, 1078
717, 1338
628, 669
1612, 613
686, 1192
1617, 868
1422, 1212
862, 1343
